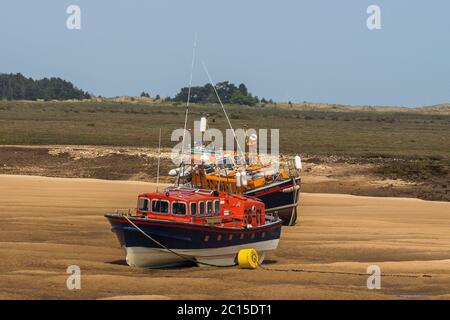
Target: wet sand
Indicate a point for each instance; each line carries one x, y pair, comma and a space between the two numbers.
47, 224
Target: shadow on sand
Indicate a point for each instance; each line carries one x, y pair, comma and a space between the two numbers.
184, 265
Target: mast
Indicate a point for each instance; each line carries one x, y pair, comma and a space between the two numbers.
225, 112
159, 160
189, 92
182, 164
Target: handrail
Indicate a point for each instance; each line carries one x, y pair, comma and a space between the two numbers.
213, 217
190, 190
127, 211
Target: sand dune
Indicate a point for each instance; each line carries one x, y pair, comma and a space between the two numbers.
47, 224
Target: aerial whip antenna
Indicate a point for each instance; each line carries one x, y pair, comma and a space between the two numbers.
159, 160
224, 111
189, 93
188, 100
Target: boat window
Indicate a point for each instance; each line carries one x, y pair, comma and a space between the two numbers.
225, 163
193, 208
228, 162
221, 164
209, 169
201, 208
142, 204
209, 207
179, 208
217, 206
160, 206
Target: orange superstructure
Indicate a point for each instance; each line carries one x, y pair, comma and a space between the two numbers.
201, 207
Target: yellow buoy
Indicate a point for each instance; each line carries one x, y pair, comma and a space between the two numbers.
248, 259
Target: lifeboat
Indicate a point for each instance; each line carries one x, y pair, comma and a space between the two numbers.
200, 226
279, 190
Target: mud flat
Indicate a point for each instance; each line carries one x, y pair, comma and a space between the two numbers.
373, 176
47, 224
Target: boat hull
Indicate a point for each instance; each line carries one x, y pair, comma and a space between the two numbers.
280, 198
159, 258
180, 243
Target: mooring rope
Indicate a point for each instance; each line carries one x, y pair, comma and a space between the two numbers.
344, 272
265, 268
294, 209
172, 251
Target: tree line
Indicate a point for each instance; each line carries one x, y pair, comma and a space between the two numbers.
228, 93
18, 87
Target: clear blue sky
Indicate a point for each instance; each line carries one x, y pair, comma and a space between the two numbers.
317, 50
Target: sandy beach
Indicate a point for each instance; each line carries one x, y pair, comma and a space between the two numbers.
47, 224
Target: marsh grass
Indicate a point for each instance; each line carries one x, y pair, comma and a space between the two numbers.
366, 132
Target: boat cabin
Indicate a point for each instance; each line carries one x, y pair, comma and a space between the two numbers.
201, 207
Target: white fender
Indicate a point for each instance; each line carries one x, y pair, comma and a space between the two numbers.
244, 178
298, 162
238, 179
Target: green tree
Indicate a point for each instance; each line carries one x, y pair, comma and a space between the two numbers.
243, 89
16, 86
228, 93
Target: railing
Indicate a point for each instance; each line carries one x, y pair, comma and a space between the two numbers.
190, 190
211, 218
271, 216
176, 188
126, 212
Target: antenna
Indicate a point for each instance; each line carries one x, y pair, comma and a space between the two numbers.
189, 93
159, 159
218, 185
223, 108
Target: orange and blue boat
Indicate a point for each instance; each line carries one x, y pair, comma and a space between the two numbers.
182, 225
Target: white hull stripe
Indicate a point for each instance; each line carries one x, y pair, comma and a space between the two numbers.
148, 257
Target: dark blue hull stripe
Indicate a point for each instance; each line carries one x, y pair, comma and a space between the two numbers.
174, 236
277, 198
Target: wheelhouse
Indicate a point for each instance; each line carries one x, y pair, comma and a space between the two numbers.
200, 206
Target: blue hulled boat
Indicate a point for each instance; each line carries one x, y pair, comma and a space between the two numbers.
201, 226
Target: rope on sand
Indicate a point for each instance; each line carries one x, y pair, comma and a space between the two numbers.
268, 269
346, 273
182, 256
